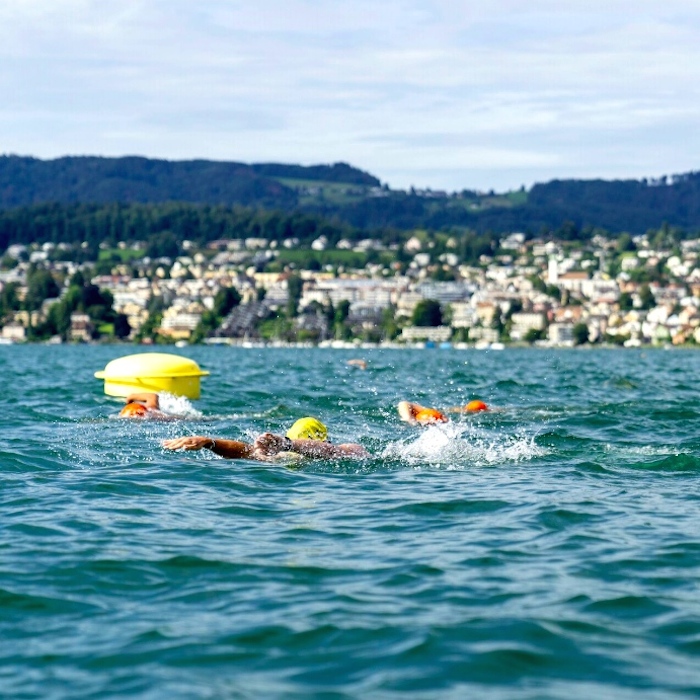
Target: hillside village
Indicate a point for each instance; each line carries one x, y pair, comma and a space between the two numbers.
621, 291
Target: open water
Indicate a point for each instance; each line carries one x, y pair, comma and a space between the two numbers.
547, 549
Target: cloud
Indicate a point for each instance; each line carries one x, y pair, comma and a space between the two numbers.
507, 91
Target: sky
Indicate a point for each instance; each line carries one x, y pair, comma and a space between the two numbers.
440, 94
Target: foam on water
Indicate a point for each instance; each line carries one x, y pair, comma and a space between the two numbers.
462, 446
177, 406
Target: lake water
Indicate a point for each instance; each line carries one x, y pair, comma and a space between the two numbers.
546, 549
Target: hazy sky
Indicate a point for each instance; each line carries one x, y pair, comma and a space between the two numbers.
448, 94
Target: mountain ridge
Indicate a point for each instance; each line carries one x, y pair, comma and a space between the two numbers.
346, 193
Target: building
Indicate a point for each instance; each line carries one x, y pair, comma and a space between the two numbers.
14, 331
561, 334
524, 322
81, 327
437, 334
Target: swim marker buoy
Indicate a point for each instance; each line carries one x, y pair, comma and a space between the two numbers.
152, 371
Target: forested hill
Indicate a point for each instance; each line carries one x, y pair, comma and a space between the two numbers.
346, 194
571, 208
623, 205
87, 179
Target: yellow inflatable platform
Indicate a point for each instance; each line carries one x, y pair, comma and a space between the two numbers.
152, 371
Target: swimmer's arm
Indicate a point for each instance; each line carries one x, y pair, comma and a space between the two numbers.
147, 398
407, 411
351, 449
229, 449
270, 444
327, 450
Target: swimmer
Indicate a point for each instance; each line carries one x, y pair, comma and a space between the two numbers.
472, 407
361, 364
307, 437
415, 413
144, 404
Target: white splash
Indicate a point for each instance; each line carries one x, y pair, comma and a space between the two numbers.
177, 406
458, 446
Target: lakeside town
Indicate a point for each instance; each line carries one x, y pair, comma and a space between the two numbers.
624, 291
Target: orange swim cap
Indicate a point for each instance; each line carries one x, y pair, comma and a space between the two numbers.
133, 410
430, 415
476, 406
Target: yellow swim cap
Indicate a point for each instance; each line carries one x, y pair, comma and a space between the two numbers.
308, 429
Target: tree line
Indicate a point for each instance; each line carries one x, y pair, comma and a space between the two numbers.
163, 224
162, 228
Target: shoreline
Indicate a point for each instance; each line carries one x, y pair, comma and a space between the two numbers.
342, 345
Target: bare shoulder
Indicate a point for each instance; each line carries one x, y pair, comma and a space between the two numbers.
352, 449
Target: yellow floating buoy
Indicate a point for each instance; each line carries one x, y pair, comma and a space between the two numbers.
152, 371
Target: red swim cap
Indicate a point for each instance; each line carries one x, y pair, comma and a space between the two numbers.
133, 410
476, 406
430, 415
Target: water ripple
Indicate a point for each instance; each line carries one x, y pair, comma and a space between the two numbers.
545, 549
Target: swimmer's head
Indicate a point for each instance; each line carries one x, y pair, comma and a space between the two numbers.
133, 410
476, 405
308, 429
430, 415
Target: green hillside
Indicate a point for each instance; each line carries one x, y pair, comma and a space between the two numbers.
342, 193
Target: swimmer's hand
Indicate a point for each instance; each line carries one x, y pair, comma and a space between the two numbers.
146, 398
189, 442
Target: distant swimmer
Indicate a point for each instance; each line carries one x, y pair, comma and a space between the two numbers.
472, 407
308, 437
360, 364
144, 404
415, 413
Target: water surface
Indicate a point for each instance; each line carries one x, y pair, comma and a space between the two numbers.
547, 549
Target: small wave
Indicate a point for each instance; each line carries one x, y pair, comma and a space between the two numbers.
645, 450
277, 411
655, 457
